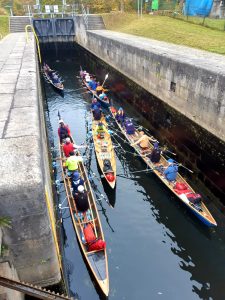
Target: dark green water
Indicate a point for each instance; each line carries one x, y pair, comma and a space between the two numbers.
156, 248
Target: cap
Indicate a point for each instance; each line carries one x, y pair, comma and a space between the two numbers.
76, 175
120, 108
100, 124
67, 140
80, 188
72, 153
170, 160
61, 121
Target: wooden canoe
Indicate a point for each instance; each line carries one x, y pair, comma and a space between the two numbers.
58, 87
203, 213
96, 260
104, 103
104, 150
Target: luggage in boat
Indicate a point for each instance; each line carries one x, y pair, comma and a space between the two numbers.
107, 167
194, 198
89, 234
97, 245
181, 188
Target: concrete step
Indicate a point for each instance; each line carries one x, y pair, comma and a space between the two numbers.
18, 23
95, 22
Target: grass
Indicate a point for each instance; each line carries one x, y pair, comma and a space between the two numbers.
4, 26
172, 30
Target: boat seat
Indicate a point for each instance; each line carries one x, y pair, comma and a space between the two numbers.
88, 221
92, 252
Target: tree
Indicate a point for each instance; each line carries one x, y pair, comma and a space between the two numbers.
5, 222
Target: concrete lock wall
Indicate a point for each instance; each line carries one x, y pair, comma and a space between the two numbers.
24, 172
189, 80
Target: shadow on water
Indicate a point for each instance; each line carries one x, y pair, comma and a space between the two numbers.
156, 248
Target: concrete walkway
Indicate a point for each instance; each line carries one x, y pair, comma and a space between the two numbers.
24, 171
17, 87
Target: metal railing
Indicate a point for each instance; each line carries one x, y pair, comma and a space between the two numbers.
36, 38
85, 16
31, 290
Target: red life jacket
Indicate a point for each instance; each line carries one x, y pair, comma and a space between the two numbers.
67, 148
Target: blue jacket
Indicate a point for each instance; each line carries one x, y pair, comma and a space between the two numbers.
92, 84
95, 105
171, 172
76, 183
130, 129
120, 117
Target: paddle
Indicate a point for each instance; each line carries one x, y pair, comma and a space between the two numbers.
106, 77
165, 149
83, 87
180, 165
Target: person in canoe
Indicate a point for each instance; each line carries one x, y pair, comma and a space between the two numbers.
99, 89
95, 104
155, 154
171, 171
56, 80
96, 110
87, 77
63, 131
100, 130
46, 68
129, 126
81, 199
143, 141
120, 116
83, 74
76, 180
72, 163
102, 96
70, 147
92, 84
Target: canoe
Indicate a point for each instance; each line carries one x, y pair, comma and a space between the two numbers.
104, 103
59, 87
96, 260
104, 151
200, 211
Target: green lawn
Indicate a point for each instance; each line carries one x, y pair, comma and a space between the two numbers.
168, 29
4, 26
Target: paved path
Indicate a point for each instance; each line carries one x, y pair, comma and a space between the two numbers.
24, 173
17, 87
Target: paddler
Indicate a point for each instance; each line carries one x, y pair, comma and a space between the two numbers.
143, 141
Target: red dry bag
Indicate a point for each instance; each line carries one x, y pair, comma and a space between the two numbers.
180, 186
98, 245
89, 234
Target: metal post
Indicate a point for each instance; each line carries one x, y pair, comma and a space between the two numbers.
138, 8
141, 7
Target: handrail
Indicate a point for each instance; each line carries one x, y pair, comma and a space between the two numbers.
31, 290
85, 15
36, 38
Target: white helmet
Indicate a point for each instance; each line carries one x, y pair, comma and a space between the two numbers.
80, 188
67, 140
61, 121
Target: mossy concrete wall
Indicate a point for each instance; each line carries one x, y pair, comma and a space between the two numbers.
189, 80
